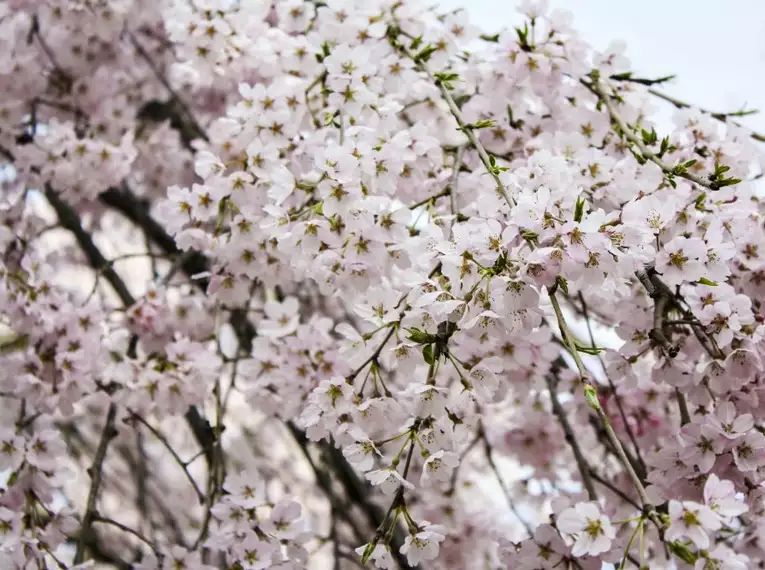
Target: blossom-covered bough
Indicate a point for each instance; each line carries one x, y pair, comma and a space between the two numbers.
334, 284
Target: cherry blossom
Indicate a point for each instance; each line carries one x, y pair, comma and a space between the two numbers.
693, 521
593, 530
302, 285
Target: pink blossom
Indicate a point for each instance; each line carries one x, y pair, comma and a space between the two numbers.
593, 531
693, 521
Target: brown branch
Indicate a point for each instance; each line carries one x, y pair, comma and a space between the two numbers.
617, 398
598, 90
128, 530
357, 491
568, 432
505, 491
613, 488
722, 117
183, 465
657, 333
685, 417
71, 221
100, 554
96, 474
196, 129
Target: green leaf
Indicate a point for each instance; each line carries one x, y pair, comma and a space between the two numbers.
593, 350
428, 355
664, 146
487, 38
579, 209
591, 396
639, 157
705, 281
514, 123
368, 552
725, 182
420, 337
721, 169
444, 77
649, 137
529, 235
13, 344
424, 54
682, 552
499, 264
482, 124
523, 35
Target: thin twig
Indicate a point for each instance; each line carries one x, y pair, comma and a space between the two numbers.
199, 131
445, 192
613, 488
96, 474
568, 431
127, 529
722, 117
453, 187
585, 378
597, 88
375, 355
617, 398
163, 440
505, 491
466, 128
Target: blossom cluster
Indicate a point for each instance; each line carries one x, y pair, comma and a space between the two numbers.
292, 284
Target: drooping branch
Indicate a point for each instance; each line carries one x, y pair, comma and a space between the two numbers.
568, 432
614, 391
70, 220
96, 474
592, 399
163, 440
357, 491
722, 117
596, 87
498, 476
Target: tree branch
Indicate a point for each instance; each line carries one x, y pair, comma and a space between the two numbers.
125, 202
71, 221
158, 434
568, 432
96, 473
597, 88
722, 117
137, 213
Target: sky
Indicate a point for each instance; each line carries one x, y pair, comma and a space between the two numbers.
715, 47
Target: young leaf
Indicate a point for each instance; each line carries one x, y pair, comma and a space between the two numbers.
579, 209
